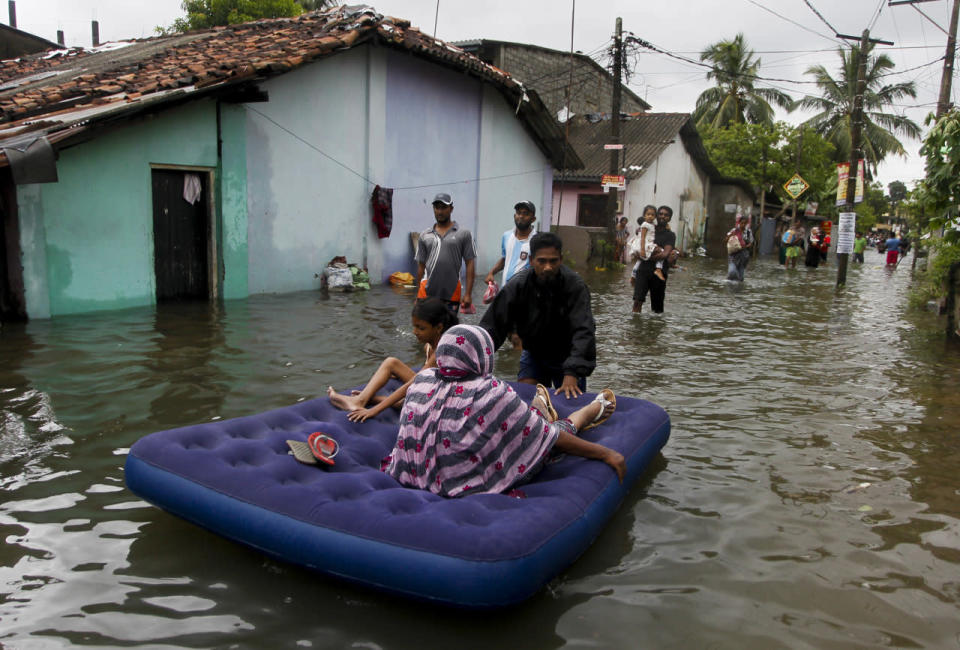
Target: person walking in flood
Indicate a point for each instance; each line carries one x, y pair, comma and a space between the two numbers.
645, 279
548, 305
739, 240
515, 243
792, 241
893, 250
441, 250
859, 245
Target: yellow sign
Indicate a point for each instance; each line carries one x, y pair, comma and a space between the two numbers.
796, 186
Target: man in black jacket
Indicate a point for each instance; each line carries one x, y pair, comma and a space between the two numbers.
548, 305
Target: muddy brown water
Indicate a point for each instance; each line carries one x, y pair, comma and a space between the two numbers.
809, 496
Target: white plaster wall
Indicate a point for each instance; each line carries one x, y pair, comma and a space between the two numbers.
307, 161
673, 175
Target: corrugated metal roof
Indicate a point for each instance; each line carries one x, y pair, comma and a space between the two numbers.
644, 137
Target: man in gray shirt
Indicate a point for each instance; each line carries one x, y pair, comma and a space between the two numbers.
441, 250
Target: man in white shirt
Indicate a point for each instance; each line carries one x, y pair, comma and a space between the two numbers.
515, 244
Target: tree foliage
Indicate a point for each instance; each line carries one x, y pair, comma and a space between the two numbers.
835, 107
898, 191
204, 14
735, 98
766, 156
941, 186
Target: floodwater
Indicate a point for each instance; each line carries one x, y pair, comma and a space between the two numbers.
809, 496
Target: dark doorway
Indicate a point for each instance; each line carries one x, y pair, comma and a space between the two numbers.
181, 237
12, 304
592, 210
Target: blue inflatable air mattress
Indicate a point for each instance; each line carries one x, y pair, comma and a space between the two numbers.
237, 479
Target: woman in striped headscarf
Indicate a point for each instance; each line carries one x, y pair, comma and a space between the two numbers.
463, 431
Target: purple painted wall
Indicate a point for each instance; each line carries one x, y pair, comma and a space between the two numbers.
433, 110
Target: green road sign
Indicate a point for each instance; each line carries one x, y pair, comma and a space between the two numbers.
796, 186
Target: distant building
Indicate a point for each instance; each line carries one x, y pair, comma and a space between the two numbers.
550, 72
663, 159
14, 43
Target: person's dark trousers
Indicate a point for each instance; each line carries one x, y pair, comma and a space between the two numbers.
658, 291
653, 285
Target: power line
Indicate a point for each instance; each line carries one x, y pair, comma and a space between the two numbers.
803, 27
370, 182
820, 16
876, 16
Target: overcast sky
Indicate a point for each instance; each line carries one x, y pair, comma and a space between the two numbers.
787, 35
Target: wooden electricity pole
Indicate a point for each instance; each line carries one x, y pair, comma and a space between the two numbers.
943, 105
856, 129
946, 79
615, 130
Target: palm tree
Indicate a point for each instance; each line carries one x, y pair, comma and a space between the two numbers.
735, 98
835, 106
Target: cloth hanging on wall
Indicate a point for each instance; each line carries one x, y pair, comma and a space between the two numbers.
191, 188
382, 201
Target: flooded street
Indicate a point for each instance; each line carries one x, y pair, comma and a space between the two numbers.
809, 495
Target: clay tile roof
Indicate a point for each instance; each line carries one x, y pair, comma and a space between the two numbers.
37, 87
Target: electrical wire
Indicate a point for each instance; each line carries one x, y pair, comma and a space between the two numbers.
803, 27
820, 16
876, 16
370, 182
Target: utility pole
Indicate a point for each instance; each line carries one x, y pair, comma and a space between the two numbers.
946, 79
856, 126
615, 129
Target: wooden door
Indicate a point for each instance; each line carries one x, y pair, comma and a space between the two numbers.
12, 304
181, 238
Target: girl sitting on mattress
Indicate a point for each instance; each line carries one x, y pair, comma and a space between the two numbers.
431, 318
463, 431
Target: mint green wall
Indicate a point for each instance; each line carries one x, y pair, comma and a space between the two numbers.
233, 201
95, 224
307, 156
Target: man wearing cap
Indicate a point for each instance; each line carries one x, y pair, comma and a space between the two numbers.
515, 244
441, 250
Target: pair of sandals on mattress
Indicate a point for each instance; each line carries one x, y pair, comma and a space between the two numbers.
605, 398
319, 448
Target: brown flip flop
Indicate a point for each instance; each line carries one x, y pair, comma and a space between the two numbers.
544, 395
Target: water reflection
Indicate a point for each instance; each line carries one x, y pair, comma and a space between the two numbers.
808, 495
189, 336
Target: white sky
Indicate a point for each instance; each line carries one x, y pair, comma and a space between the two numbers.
787, 43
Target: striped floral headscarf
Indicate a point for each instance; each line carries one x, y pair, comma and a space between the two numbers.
462, 430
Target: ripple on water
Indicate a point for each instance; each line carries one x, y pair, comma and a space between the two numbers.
807, 496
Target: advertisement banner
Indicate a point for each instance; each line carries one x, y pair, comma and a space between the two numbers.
843, 174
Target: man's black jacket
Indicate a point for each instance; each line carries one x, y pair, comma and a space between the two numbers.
554, 322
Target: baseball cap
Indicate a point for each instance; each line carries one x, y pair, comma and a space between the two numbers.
527, 205
442, 198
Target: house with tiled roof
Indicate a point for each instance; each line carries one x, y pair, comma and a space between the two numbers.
664, 161
239, 160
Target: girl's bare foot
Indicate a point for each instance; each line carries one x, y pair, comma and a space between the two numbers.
660, 275
344, 402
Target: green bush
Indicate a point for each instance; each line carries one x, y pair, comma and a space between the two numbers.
932, 284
